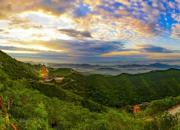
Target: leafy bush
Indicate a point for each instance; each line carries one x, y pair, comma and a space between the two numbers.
164, 121
162, 105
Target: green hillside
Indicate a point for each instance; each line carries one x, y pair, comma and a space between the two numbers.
80, 102
124, 89
16, 69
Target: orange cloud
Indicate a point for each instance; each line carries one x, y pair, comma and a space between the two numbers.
136, 25
12, 7
162, 55
176, 31
9, 7
114, 29
93, 3
120, 53
34, 47
125, 2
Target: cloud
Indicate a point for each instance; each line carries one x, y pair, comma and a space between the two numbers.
98, 47
90, 28
145, 50
176, 31
60, 49
155, 49
20, 52
73, 48
38, 46
163, 56
124, 2
135, 16
93, 3
155, 13
79, 48
76, 34
115, 29
82, 10
121, 53
10, 7
57, 7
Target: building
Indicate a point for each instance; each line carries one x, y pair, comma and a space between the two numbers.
136, 108
58, 79
44, 72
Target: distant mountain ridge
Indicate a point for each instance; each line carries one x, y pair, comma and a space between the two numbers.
116, 69
160, 65
157, 64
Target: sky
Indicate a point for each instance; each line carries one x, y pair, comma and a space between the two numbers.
90, 31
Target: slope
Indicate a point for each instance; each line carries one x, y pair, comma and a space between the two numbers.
124, 89
16, 69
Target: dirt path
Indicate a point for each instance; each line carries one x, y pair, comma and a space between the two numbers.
174, 110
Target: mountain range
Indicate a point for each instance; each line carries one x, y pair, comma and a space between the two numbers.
115, 69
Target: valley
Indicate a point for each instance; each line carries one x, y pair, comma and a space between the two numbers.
65, 99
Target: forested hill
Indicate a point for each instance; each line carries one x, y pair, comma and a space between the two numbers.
16, 69
124, 89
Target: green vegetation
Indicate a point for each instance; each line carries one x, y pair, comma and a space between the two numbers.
79, 102
16, 69
61, 72
121, 90
158, 106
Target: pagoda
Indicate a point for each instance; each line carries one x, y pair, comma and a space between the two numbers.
44, 72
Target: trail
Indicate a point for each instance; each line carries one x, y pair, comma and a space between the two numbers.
174, 110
